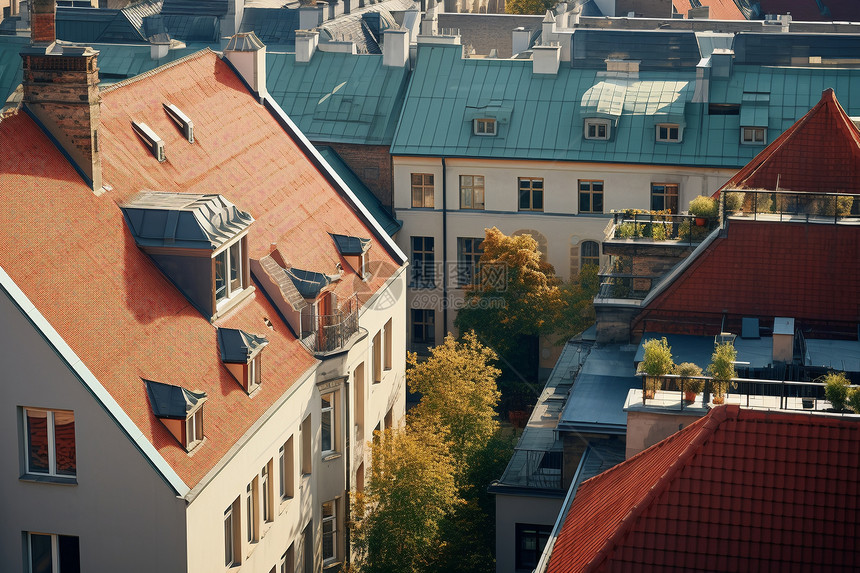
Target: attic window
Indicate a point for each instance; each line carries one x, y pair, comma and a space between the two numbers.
241, 354
185, 124
753, 135
231, 271
485, 126
180, 410
669, 132
151, 139
597, 129
354, 250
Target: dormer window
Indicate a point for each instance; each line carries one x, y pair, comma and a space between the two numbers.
230, 270
597, 129
669, 132
241, 354
180, 410
484, 126
753, 135
354, 250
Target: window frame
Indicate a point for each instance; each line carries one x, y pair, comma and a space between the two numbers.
332, 521
540, 531
252, 532
597, 123
427, 326
591, 193
485, 126
469, 253
287, 467
233, 286
388, 340
232, 548
254, 373
329, 410
193, 428
267, 493
666, 195
531, 187
376, 353
471, 189
592, 259
56, 551
423, 262
425, 188
53, 473
754, 130
668, 127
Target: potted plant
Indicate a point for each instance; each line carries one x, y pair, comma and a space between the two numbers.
656, 363
690, 386
733, 202
722, 370
703, 208
836, 388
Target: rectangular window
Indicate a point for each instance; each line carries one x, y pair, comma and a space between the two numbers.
471, 191
232, 546
589, 254
424, 326
469, 253
288, 469
327, 423
267, 492
229, 272
288, 561
254, 375
753, 135
596, 129
531, 194
50, 442
664, 196
308, 548
48, 553
329, 530
194, 429
530, 543
485, 126
251, 511
422, 190
377, 358
307, 446
590, 196
670, 132
423, 263
387, 335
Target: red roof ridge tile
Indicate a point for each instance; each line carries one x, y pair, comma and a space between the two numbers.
154, 71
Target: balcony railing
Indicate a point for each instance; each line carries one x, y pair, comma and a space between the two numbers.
651, 226
793, 206
325, 333
535, 468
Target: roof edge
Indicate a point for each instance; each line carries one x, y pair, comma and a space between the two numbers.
157, 70
91, 383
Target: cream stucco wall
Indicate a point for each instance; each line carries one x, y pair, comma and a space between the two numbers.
126, 516
525, 509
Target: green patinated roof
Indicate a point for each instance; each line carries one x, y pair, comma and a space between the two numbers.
10, 64
546, 114
339, 98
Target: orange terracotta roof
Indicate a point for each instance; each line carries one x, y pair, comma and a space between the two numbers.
719, 9
738, 490
72, 254
820, 152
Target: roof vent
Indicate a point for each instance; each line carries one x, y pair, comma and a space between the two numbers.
181, 120
156, 145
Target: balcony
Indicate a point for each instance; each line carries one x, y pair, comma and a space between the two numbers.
328, 334
791, 206
633, 226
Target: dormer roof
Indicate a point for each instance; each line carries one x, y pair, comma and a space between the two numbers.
350, 246
308, 283
172, 402
244, 42
183, 220
238, 346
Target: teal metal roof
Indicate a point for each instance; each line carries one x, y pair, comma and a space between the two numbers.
339, 98
365, 195
10, 64
546, 112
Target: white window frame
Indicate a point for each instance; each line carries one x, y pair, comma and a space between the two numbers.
266, 498
597, 124
330, 412
230, 557
194, 428
485, 126
668, 127
287, 466
251, 533
55, 550
254, 373
231, 290
753, 130
331, 521
52, 446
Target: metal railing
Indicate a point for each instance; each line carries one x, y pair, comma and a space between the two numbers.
536, 468
616, 284
323, 333
656, 227
793, 206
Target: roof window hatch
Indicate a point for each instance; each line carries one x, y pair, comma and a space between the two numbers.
155, 143
182, 120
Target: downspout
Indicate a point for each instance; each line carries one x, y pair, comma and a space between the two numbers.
444, 247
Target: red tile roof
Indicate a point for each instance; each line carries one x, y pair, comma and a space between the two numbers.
738, 490
71, 253
820, 152
719, 9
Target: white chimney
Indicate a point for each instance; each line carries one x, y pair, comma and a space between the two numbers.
159, 46
430, 23
545, 59
548, 32
395, 48
783, 339
306, 44
309, 17
520, 40
248, 55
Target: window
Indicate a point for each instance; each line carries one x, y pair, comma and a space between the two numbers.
664, 196
422, 190
194, 429
531, 194
360, 392
387, 335
530, 543
589, 254
377, 358
424, 326
307, 460
308, 548
469, 253
327, 423
253, 373
251, 511
267, 492
232, 551
668, 132
471, 191
50, 443
288, 561
753, 135
329, 530
486, 126
229, 271
596, 129
423, 263
590, 196
288, 470
48, 553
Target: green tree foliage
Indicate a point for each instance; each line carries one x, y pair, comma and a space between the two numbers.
397, 519
528, 6
577, 309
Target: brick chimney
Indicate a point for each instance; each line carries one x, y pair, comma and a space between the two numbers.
61, 91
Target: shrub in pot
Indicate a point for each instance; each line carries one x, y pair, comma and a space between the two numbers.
836, 388
693, 386
722, 370
656, 363
703, 208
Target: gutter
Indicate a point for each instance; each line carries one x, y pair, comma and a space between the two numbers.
444, 245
